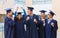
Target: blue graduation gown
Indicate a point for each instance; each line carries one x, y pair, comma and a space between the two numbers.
9, 28
32, 27
41, 30
21, 24
51, 32
19, 29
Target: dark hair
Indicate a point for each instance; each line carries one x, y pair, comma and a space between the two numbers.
8, 11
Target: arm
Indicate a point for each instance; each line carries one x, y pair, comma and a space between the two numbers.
15, 13
24, 12
55, 26
9, 22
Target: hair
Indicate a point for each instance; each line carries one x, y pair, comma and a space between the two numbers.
8, 11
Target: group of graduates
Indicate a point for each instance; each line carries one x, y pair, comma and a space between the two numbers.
30, 25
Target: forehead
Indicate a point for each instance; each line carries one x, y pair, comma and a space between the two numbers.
49, 14
19, 15
28, 10
11, 11
42, 13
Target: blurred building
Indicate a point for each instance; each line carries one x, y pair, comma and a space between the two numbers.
37, 4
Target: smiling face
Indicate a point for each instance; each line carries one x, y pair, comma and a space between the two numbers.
29, 12
10, 13
43, 15
49, 16
19, 17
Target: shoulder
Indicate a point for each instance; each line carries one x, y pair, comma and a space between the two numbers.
6, 18
55, 20
35, 15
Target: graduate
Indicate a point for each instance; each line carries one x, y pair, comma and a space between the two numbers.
24, 11
31, 24
9, 24
51, 26
42, 19
19, 26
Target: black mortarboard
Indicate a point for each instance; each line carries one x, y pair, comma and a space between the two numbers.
52, 13
8, 10
30, 8
19, 13
42, 11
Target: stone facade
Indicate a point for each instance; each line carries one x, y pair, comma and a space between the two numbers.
2, 17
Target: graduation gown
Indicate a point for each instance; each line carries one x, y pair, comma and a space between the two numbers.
51, 32
19, 29
9, 28
18, 25
32, 27
41, 30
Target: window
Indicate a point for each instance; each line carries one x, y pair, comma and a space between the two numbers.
19, 2
41, 1
3, 1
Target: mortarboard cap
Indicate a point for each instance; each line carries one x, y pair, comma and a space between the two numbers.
30, 8
8, 10
19, 13
52, 13
42, 11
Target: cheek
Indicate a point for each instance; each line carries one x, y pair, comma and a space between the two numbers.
44, 15
18, 17
48, 16
21, 16
41, 14
11, 13
28, 12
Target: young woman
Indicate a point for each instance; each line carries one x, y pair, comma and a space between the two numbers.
19, 26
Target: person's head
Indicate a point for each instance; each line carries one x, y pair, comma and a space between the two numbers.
50, 14
42, 14
19, 16
30, 10
9, 12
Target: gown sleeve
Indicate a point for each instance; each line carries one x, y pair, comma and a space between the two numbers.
10, 22
24, 12
55, 26
15, 13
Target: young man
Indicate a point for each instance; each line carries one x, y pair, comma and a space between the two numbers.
51, 26
9, 24
31, 23
42, 19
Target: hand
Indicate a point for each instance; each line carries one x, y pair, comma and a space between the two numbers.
17, 8
22, 7
35, 20
52, 24
12, 18
27, 18
44, 24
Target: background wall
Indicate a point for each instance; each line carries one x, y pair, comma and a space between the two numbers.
54, 5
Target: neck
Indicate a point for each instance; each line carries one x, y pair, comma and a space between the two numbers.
42, 17
50, 18
9, 16
31, 14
